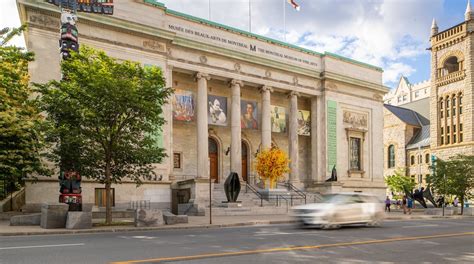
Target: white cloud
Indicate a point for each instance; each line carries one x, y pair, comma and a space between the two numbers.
394, 70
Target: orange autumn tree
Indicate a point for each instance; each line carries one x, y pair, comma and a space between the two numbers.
271, 164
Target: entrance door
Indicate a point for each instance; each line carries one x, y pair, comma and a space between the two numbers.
245, 159
213, 160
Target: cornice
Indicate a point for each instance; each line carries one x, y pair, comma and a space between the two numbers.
349, 80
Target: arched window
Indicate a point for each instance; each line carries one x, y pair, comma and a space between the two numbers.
391, 156
412, 160
427, 158
451, 65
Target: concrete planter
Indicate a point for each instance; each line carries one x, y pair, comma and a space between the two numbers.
54, 215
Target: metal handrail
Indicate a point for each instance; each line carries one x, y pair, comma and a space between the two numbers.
259, 195
296, 190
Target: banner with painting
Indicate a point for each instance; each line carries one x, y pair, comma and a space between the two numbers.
183, 105
248, 114
278, 117
217, 111
304, 123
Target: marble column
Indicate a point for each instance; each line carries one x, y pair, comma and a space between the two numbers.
266, 117
314, 139
236, 140
293, 137
201, 126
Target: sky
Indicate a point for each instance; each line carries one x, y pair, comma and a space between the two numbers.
391, 34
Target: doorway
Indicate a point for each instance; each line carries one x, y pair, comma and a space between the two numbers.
245, 161
213, 160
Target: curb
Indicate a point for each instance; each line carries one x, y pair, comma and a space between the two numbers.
137, 229
206, 226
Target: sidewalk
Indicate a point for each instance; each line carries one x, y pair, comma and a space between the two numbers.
197, 222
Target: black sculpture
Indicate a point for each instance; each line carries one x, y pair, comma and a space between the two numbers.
232, 187
333, 175
418, 196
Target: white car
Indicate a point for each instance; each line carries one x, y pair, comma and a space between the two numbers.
341, 209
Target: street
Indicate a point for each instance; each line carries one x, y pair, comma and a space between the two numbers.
428, 241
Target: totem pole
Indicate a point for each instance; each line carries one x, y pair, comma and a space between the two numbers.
69, 179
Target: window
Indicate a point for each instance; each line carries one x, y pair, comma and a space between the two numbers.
460, 127
442, 140
412, 178
441, 114
454, 138
447, 139
399, 99
454, 128
391, 156
451, 65
355, 153
447, 129
447, 113
441, 104
442, 130
412, 160
427, 158
404, 98
460, 110
417, 93
100, 197
454, 100
460, 99
454, 111
460, 137
447, 102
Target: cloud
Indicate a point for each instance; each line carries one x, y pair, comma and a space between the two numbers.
9, 17
394, 70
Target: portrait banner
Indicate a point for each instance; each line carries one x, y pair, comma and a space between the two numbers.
183, 105
304, 123
248, 117
217, 111
278, 117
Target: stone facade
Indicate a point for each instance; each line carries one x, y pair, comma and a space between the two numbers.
451, 96
201, 58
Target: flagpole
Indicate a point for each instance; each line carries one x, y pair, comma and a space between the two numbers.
250, 17
284, 21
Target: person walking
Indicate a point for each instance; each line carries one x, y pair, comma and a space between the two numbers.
387, 204
404, 204
409, 205
456, 202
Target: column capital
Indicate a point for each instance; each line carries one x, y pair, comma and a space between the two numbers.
169, 67
293, 93
236, 82
201, 75
265, 88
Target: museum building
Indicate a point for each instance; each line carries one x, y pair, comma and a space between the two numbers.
235, 93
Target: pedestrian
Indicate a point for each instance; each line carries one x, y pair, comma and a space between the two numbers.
404, 204
409, 205
456, 202
398, 204
387, 204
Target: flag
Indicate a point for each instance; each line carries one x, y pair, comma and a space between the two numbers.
294, 4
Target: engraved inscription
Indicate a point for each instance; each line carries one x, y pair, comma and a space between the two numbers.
44, 21
154, 45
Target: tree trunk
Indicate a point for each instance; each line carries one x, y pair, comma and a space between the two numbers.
462, 205
108, 202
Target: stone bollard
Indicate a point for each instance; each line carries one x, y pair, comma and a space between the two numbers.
148, 218
79, 220
54, 215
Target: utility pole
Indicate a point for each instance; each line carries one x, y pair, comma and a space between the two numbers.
69, 179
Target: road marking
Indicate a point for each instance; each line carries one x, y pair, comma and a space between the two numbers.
269, 250
418, 226
44, 246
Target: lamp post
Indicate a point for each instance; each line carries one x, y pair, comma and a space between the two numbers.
444, 194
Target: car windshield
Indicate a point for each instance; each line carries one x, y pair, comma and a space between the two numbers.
336, 198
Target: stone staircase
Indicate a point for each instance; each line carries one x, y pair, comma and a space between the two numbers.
251, 204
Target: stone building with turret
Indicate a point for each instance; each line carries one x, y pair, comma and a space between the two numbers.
434, 117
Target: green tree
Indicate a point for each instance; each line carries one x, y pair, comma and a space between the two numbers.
104, 116
399, 183
20, 139
454, 176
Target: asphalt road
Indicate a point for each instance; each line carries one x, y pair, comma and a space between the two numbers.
414, 241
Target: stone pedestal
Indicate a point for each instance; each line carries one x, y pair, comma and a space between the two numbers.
148, 218
231, 205
79, 220
171, 219
54, 215
191, 209
273, 193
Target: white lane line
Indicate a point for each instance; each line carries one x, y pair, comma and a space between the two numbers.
44, 246
418, 226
